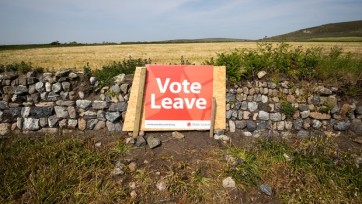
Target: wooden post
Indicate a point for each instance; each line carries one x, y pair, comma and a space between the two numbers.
139, 103
213, 115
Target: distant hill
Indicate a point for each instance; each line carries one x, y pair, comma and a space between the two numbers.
201, 40
344, 31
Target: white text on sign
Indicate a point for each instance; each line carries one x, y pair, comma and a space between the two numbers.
178, 103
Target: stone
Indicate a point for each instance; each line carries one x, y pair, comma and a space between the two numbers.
240, 115
261, 74
4, 128
72, 112
306, 123
72, 123
31, 124
219, 132
228, 182
177, 135
92, 80
342, 126
66, 86
82, 124
240, 124
112, 116
316, 124
264, 99
161, 185
61, 112
21, 90
265, 188
19, 123
244, 105
65, 103
119, 79
62, 73
89, 114
81, 94
320, 116
3, 105
228, 114
252, 106
231, 126
263, 115
72, 75
303, 134
91, 123
63, 123
100, 115
275, 117
221, 137
53, 120
153, 142
356, 127
298, 124
83, 103
335, 110
132, 166
10, 114
117, 171
304, 114
120, 107
251, 125
230, 97
315, 100
53, 96
57, 87
114, 127
324, 91
100, 125
43, 122
140, 141
291, 99
280, 125
247, 134
124, 88
303, 107
25, 112
31, 89
99, 105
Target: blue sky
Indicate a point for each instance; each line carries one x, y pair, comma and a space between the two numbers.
90, 21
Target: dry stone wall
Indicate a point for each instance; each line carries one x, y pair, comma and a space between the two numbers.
67, 100
64, 100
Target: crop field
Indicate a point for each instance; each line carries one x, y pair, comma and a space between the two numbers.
77, 57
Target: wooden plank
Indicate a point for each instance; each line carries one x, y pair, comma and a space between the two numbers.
128, 123
213, 115
139, 103
220, 96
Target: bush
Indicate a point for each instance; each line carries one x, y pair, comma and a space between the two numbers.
287, 109
126, 66
297, 63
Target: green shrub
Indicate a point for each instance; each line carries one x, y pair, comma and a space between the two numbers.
287, 109
126, 66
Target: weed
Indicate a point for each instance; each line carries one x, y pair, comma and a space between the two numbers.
127, 66
287, 109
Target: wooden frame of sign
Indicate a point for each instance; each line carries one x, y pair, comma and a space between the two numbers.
133, 110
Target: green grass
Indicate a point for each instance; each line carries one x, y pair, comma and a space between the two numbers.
308, 171
51, 170
73, 170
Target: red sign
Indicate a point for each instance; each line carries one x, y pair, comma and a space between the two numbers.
178, 96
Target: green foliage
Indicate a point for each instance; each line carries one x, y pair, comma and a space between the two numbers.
87, 70
305, 171
22, 67
53, 170
233, 63
126, 66
298, 63
184, 61
287, 109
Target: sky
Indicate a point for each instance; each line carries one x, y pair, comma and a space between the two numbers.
96, 21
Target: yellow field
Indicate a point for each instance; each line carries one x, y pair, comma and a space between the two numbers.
97, 56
